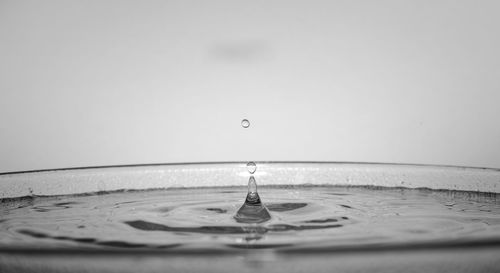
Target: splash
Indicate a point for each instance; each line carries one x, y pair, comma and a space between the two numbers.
252, 211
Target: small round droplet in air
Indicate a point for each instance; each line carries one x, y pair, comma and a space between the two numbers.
251, 167
245, 123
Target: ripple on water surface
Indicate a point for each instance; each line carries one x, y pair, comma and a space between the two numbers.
302, 218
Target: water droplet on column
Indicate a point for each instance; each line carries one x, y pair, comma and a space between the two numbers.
251, 167
245, 123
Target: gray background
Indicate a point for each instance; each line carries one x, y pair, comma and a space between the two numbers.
121, 82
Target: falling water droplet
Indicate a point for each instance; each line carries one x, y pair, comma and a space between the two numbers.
252, 211
245, 123
251, 167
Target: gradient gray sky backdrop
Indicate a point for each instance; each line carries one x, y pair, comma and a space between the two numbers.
121, 82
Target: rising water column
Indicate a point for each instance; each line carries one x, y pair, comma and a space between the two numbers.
252, 211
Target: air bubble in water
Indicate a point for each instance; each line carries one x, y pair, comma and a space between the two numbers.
245, 123
251, 167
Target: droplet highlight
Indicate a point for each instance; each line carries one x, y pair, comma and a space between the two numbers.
251, 167
245, 123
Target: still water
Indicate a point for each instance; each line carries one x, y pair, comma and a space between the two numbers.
302, 219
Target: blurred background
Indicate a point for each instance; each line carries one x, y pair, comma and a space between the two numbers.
87, 83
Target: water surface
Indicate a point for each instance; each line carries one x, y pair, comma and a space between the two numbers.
303, 218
